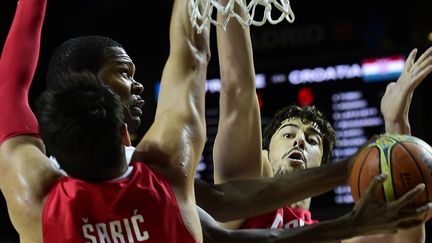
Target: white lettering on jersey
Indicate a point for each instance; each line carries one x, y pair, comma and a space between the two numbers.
290, 225
113, 231
295, 223
278, 220
128, 230
135, 219
116, 232
87, 229
103, 233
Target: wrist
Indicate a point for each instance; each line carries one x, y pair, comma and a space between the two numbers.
353, 229
398, 126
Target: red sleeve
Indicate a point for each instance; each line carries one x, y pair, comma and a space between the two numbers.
18, 63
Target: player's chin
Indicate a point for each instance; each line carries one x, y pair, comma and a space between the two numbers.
282, 170
133, 123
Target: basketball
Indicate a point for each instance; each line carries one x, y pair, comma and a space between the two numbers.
406, 159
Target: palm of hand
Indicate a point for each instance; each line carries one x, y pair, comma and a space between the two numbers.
397, 97
396, 100
373, 215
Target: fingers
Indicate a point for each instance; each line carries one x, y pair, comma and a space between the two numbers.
425, 55
410, 60
421, 68
411, 215
414, 71
409, 196
419, 77
412, 212
375, 184
423, 209
423, 64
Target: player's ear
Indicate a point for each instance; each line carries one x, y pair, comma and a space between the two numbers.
125, 135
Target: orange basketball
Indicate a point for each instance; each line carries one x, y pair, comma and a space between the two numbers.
406, 159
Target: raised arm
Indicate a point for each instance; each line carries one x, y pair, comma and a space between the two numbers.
26, 174
396, 101
174, 143
395, 106
237, 147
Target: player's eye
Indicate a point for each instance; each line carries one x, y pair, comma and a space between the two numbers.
288, 135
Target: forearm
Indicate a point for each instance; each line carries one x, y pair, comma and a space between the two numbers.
302, 234
185, 42
17, 66
413, 235
176, 139
328, 231
239, 199
238, 105
214, 233
401, 126
235, 54
183, 78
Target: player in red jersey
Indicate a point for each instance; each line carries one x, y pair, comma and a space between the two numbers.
296, 139
94, 204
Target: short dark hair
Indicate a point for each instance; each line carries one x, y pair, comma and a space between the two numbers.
307, 114
84, 53
80, 123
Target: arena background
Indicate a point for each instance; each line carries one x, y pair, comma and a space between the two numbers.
320, 59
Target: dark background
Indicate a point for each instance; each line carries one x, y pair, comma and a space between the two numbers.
325, 33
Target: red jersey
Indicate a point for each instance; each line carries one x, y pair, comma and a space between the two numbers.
282, 218
139, 208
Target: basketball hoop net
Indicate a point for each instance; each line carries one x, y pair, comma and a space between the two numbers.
200, 12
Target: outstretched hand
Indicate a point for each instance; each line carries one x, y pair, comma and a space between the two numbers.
397, 98
372, 215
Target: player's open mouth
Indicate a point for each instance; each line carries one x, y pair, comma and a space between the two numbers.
296, 159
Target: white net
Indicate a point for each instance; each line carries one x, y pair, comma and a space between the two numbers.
201, 12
